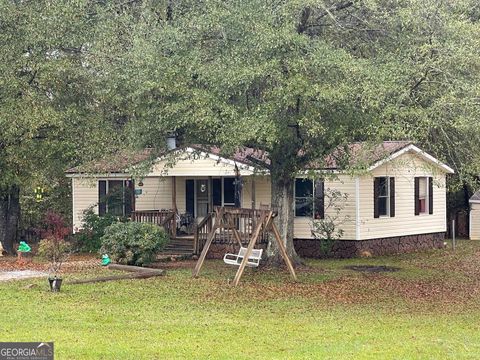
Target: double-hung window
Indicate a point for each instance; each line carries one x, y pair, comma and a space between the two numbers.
115, 197
226, 191
309, 198
423, 195
384, 196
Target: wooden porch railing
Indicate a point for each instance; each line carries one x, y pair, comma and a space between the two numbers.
243, 220
164, 218
201, 231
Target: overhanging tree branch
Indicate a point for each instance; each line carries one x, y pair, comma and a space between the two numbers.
303, 24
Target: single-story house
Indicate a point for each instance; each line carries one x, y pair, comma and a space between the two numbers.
474, 221
397, 204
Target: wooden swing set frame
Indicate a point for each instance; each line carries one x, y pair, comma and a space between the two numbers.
224, 220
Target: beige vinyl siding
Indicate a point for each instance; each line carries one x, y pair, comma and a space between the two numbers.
303, 225
181, 201
474, 221
262, 191
346, 185
405, 168
156, 194
190, 166
246, 196
85, 195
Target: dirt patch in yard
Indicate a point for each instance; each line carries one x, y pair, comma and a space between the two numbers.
372, 268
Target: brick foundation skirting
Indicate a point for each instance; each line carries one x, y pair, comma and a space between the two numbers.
310, 248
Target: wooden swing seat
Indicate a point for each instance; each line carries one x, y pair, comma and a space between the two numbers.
236, 259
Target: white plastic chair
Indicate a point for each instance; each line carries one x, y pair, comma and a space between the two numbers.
236, 259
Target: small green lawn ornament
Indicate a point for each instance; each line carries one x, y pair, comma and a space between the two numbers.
105, 260
24, 248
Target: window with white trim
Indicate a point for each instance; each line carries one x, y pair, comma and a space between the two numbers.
309, 198
226, 191
423, 195
383, 196
115, 197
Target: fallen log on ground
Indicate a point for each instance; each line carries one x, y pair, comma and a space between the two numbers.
136, 272
130, 268
140, 275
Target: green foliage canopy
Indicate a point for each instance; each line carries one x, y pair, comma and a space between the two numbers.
49, 116
290, 75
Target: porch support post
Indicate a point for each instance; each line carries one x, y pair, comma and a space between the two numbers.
174, 205
253, 192
132, 194
210, 194
174, 194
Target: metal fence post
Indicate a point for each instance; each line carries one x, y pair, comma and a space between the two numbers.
453, 235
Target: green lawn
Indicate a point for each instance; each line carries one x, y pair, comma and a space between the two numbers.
427, 310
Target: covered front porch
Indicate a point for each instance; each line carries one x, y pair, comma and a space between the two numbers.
241, 219
193, 205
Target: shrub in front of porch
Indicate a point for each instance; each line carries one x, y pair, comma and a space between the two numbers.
89, 238
133, 243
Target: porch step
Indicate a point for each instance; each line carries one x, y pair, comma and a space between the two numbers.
180, 243
173, 249
176, 251
181, 240
179, 246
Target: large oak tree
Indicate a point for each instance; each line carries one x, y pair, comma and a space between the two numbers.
294, 78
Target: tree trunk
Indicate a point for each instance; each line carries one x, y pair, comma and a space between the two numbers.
283, 203
9, 217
